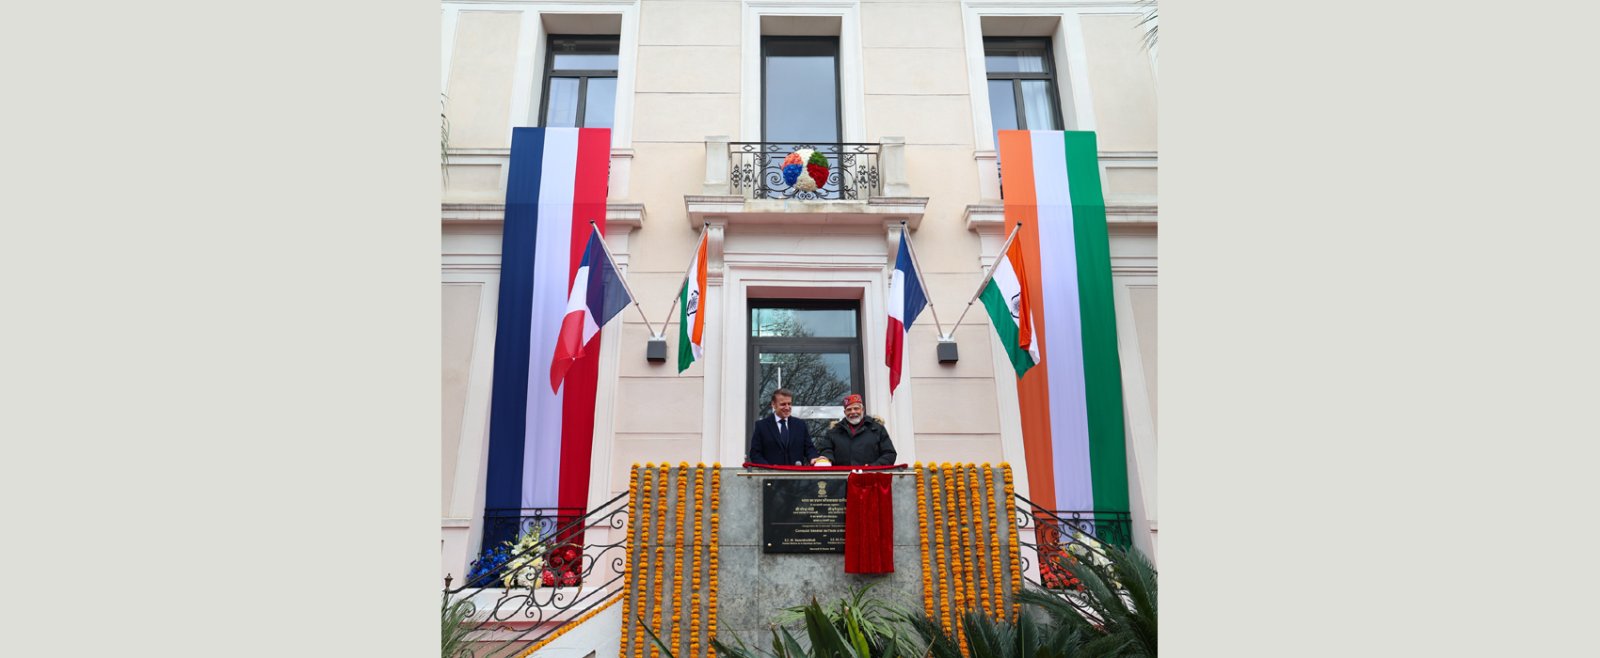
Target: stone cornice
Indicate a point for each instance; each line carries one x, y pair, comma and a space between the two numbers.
630, 215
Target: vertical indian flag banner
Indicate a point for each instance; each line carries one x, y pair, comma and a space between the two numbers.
1072, 423
691, 310
1005, 297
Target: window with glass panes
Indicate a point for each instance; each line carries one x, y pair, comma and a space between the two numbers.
800, 90
1022, 84
580, 82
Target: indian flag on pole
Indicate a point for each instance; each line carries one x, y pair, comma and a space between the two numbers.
1072, 426
1006, 299
691, 310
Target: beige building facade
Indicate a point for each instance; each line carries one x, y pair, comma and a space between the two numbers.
687, 86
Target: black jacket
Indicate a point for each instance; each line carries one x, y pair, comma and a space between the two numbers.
766, 448
870, 446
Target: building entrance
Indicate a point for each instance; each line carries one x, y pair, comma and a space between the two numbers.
811, 347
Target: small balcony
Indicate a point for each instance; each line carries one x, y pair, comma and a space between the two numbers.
745, 183
756, 171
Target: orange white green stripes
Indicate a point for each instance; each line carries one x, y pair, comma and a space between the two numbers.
691, 310
1071, 403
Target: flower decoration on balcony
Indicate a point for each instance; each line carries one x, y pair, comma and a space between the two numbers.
526, 563
805, 170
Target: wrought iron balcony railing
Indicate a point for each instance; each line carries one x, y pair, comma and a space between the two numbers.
1064, 538
755, 171
517, 598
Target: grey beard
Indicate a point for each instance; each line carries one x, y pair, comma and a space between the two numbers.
855, 421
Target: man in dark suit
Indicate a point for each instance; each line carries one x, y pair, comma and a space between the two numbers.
781, 438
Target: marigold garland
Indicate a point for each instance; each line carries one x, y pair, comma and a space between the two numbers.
647, 511
980, 551
942, 554
698, 554
922, 534
569, 626
628, 574
716, 541
677, 553
969, 552
660, 556
991, 509
1011, 536
957, 596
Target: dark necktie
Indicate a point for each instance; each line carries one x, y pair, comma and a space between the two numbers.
783, 431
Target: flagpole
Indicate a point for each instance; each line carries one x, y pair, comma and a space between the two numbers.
620, 277
988, 274
912, 249
677, 291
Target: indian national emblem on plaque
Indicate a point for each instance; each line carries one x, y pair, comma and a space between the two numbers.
822, 489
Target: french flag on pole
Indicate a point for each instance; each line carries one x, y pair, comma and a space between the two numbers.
906, 301
597, 296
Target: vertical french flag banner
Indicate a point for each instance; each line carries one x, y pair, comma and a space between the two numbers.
906, 301
540, 440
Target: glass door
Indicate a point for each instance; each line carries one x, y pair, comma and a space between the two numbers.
812, 348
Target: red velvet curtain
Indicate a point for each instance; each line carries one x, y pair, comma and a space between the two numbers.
868, 524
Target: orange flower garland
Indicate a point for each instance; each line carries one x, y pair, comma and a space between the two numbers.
991, 509
660, 557
941, 564
964, 495
922, 536
1011, 531
716, 506
628, 574
567, 627
647, 514
677, 552
694, 578
957, 598
980, 552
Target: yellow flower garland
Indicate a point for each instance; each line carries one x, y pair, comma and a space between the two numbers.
957, 600
969, 552
567, 627
627, 551
716, 540
922, 535
660, 558
677, 551
991, 510
981, 549
647, 514
694, 579
1011, 528
941, 564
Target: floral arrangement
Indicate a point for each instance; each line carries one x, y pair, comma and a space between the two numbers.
529, 562
922, 534
805, 170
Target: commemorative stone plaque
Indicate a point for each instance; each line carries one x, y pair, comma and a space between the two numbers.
802, 515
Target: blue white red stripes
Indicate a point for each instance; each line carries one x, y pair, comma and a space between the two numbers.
539, 440
906, 301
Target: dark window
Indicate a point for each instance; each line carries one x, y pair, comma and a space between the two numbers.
580, 82
811, 347
1022, 84
800, 90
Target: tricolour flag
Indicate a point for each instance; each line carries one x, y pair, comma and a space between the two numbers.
692, 310
1005, 297
906, 301
597, 296
1072, 427
540, 441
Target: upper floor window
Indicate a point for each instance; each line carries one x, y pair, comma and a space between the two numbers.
580, 82
1022, 84
800, 89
